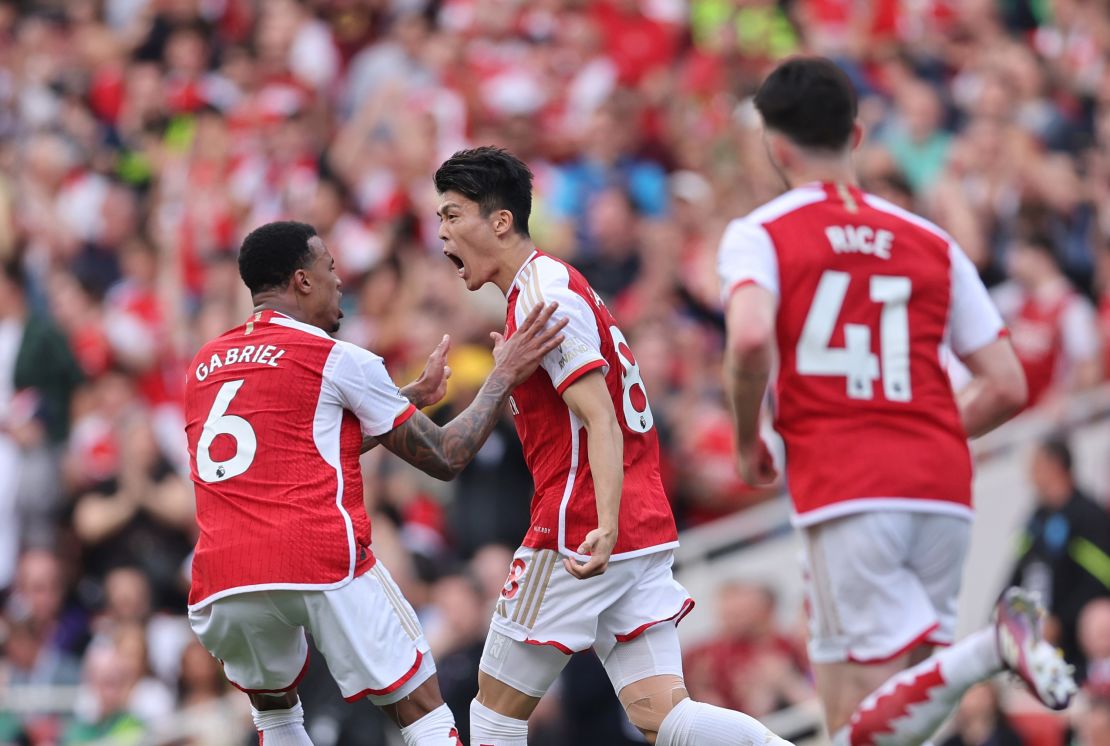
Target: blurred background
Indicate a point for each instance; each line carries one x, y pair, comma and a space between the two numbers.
140, 140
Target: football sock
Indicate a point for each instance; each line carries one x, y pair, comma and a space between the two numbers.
909, 707
488, 728
281, 727
437, 728
693, 723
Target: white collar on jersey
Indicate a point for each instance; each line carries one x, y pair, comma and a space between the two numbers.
522, 266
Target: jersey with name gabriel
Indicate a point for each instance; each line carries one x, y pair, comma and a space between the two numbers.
275, 414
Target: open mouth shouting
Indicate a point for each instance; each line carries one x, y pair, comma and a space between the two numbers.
458, 262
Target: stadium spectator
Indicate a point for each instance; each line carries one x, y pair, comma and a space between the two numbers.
108, 685
979, 721
1094, 643
748, 665
1065, 548
1093, 724
142, 139
1051, 324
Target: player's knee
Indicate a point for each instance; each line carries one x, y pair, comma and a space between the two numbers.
647, 703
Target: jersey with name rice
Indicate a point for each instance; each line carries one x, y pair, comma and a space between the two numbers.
869, 295
554, 439
275, 413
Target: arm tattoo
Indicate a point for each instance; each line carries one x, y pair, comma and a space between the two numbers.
443, 451
369, 442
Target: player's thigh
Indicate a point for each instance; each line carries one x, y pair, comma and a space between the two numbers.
866, 603
654, 599
937, 559
371, 639
646, 674
262, 647
543, 604
514, 675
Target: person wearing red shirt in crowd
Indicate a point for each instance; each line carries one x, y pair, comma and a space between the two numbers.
595, 567
853, 298
277, 415
1054, 329
747, 665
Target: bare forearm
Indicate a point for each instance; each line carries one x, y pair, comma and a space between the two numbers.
746, 377
96, 518
982, 409
443, 451
605, 449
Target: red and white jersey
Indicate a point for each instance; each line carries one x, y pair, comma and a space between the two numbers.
564, 509
275, 411
1053, 330
868, 294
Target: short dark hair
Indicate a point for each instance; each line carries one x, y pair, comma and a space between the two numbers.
1057, 449
811, 101
271, 253
494, 178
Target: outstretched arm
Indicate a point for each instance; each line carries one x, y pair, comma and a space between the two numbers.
444, 451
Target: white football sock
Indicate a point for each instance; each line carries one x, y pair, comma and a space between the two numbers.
281, 727
437, 728
909, 707
488, 728
693, 723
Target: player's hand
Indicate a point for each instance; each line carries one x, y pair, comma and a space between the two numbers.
757, 465
599, 545
522, 352
431, 386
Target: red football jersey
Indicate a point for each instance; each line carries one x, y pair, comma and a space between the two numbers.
868, 294
275, 411
1053, 329
554, 440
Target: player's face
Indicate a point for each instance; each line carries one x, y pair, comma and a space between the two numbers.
469, 240
324, 298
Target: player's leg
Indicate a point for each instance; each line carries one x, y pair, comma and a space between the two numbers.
512, 677
646, 672
375, 649
903, 707
264, 654
279, 719
542, 615
637, 642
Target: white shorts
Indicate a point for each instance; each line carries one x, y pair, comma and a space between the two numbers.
543, 604
879, 584
367, 632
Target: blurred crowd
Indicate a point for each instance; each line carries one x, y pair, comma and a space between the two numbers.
140, 140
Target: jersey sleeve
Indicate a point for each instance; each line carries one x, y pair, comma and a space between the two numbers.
359, 382
746, 254
580, 351
974, 321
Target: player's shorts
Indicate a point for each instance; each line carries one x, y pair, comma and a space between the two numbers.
367, 632
880, 584
543, 604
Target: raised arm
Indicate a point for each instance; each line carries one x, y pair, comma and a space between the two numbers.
444, 451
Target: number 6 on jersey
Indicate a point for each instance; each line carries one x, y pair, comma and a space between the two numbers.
854, 360
221, 423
